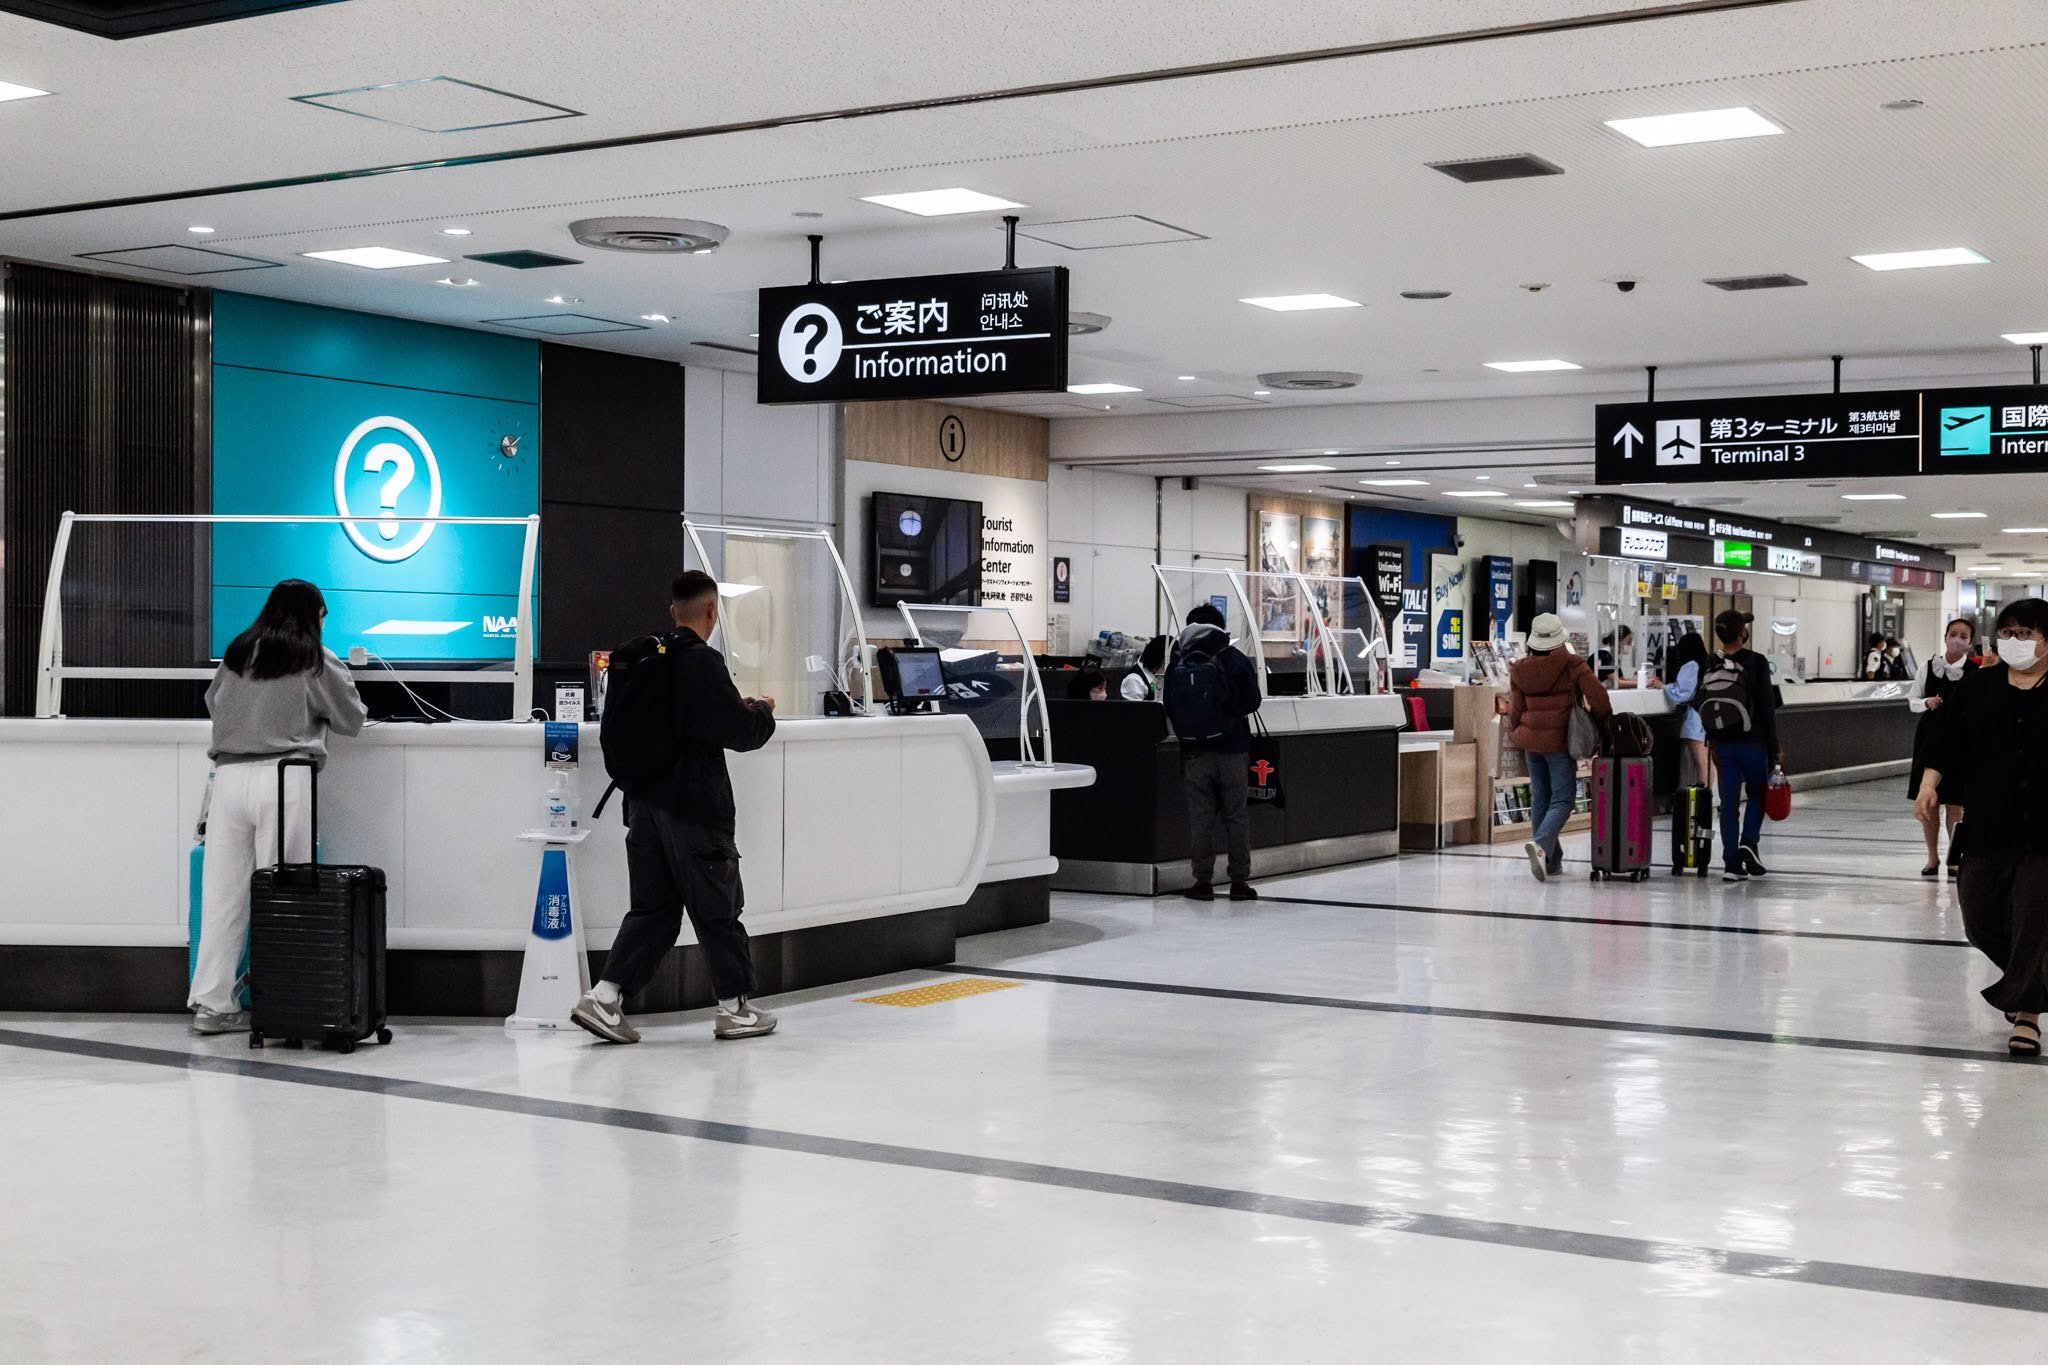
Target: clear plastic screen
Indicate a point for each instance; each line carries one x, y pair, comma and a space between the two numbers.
986, 663
1187, 586
784, 626
1355, 625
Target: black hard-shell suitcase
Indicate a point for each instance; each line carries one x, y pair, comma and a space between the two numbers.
1692, 831
316, 945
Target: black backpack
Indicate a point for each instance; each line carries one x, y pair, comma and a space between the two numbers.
1727, 711
1197, 696
637, 729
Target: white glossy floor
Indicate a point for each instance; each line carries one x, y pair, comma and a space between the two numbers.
1570, 1124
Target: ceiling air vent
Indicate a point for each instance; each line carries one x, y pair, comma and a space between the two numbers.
1310, 380
1521, 166
1735, 284
650, 236
522, 260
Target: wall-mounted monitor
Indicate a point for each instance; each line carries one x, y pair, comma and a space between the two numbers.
923, 549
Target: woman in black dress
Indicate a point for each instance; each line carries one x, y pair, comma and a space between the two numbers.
1932, 687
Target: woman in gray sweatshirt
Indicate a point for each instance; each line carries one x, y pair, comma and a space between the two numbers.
277, 695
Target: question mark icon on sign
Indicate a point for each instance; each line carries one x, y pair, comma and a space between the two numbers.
381, 456
813, 326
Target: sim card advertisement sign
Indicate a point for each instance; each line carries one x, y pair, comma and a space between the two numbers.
1987, 431
1807, 436
928, 336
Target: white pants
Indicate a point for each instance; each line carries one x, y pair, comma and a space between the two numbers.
241, 836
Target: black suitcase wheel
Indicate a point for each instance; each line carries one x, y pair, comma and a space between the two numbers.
255, 1038
344, 1045
384, 1036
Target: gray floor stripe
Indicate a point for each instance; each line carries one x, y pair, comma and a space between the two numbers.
1338, 1002
1679, 926
1600, 1246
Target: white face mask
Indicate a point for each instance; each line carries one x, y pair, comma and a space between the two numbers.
1957, 648
2020, 654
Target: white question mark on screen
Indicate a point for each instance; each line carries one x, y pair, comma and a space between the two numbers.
389, 453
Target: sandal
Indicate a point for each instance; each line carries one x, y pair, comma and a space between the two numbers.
2025, 1040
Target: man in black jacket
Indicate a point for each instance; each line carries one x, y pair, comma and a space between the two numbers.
1745, 759
1214, 766
680, 851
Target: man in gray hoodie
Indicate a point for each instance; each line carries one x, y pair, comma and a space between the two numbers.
1210, 693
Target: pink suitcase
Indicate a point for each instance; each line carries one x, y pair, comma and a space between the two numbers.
1621, 818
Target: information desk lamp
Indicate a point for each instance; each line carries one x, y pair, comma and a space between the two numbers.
913, 678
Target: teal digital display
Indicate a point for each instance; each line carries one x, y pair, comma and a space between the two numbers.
326, 413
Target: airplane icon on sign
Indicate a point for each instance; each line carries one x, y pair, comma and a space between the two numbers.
1678, 442
1958, 422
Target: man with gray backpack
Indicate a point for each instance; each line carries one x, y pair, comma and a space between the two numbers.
1210, 694
1738, 706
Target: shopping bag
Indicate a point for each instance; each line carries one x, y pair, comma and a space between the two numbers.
1778, 795
1262, 786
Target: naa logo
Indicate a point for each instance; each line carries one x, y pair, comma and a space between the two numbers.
501, 627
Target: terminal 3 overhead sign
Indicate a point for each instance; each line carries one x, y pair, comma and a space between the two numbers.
1890, 434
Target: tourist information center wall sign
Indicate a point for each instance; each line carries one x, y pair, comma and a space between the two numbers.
1807, 436
928, 336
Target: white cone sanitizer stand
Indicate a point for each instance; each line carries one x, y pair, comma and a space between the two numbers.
556, 969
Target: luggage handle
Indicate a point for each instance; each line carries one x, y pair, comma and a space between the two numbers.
312, 809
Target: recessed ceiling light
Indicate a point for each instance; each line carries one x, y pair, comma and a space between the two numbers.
455, 232
654, 317
753, 336
1529, 366
1873, 497
1483, 478
375, 257
1474, 493
1958, 516
2026, 531
1187, 379
1705, 125
1301, 303
1982, 568
1920, 260
1544, 504
1329, 452
2027, 338
1298, 468
1102, 388
1262, 393
458, 281
200, 230
1396, 483
1392, 463
10, 91
939, 203
561, 298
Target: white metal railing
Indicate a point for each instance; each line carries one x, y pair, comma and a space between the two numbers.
1032, 687
860, 659
51, 670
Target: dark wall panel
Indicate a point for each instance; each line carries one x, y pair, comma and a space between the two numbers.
611, 487
104, 413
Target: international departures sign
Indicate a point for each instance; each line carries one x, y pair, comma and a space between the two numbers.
929, 336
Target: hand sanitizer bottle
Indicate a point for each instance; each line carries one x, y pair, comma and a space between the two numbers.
556, 819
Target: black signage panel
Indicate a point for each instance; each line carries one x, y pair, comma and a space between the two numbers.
928, 336
1986, 431
1631, 528
1808, 436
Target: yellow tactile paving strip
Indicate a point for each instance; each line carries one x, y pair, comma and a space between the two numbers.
939, 994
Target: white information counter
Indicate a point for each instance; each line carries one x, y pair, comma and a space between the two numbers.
840, 820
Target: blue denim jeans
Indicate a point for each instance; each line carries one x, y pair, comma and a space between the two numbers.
1553, 789
1745, 768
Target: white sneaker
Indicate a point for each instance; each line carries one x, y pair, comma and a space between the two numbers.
606, 1021
210, 1024
744, 1022
1539, 861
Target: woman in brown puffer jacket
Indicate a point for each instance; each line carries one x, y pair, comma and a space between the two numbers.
1543, 689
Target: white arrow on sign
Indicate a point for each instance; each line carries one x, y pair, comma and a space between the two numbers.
1627, 438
